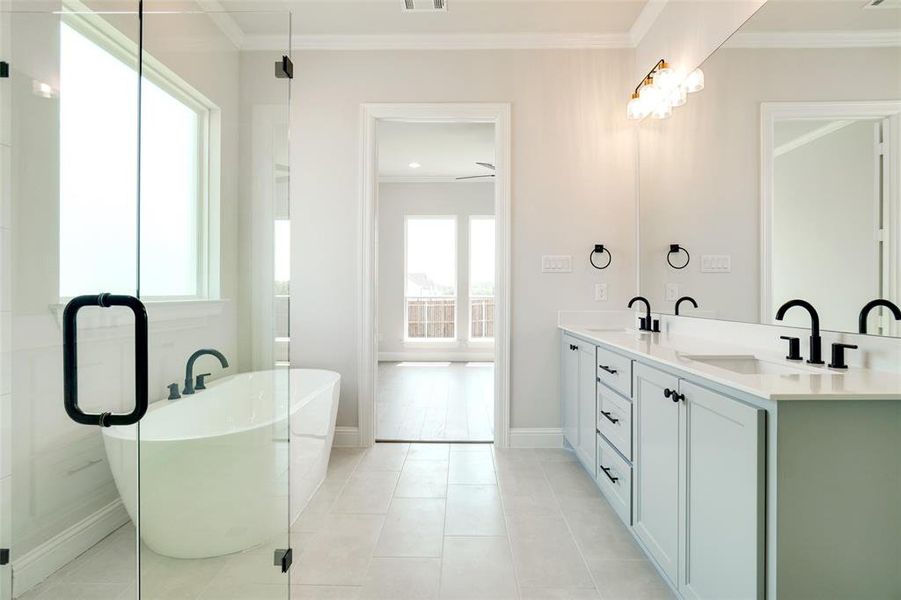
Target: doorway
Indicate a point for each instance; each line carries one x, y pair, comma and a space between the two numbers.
434, 352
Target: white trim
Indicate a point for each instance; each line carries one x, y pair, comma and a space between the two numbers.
346, 437
645, 20
367, 337
425, 355
64, 547
770, 112
810, 136
222, 19
815, 39
443, 41
536, 437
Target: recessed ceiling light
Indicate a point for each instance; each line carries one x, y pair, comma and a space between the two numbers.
415, 165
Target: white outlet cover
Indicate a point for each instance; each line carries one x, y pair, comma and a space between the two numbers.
672, 292
600, 292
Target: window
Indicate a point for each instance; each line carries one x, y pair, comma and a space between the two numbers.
481, 278
430, 283
98, 171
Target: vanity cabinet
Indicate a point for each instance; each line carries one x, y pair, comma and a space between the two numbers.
699, 461
577, 389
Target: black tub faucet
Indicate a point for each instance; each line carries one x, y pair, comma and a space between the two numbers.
816, 342
685, 299
644, 323
865, 312
189, 368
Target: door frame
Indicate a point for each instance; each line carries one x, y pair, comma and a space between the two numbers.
367, 325
858, 110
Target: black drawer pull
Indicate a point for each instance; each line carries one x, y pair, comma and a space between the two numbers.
606, 471
609, 416
608, 369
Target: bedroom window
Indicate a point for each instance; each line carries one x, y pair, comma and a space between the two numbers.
430, 282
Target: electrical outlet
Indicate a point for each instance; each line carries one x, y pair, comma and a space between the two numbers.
556, 264
672, 292
716, 263
600, 292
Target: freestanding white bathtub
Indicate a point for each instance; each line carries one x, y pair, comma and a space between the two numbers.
214, 466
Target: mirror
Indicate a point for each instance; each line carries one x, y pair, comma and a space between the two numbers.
781, 179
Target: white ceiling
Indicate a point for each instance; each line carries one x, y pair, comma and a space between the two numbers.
444, 150
823, 15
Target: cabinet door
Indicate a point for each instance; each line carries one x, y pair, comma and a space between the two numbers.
569, 389
723, 523
658, 432
587, 408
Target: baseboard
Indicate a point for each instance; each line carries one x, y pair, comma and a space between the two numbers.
426, 355
536, 437
64, 547
346, 437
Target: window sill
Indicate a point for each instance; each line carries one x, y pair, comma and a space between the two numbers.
158, 311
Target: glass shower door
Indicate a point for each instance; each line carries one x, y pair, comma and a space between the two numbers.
69, 144
215, 447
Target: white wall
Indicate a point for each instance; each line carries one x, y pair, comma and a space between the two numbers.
572, 184
395, 201
825, 222
57, 482
700, 169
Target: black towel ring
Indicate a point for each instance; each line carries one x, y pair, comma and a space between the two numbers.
600, 249
675, 249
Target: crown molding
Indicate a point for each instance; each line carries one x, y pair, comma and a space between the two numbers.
645, 20
224, 21
450, 41
816, 39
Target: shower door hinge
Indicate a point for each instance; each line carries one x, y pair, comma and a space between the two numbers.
4, 69
283, 558
284, 69
4, 556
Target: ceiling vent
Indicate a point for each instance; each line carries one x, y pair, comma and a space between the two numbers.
425, 5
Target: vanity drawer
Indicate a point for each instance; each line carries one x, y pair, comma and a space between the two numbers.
615, 370
615, 420
615, 480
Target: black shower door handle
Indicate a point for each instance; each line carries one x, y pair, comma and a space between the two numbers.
70, 360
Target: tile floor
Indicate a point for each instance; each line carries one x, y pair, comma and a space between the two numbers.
435, 401
410, 521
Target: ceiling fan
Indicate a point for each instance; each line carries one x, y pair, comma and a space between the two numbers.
481, 164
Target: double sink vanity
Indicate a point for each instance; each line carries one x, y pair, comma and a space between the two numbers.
740, 474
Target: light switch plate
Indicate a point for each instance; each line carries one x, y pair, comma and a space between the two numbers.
600, 292
716, 263
672, 292
556, 264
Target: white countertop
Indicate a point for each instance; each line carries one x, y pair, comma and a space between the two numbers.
809, 383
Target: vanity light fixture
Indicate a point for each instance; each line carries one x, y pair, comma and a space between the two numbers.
660, 91
414, 165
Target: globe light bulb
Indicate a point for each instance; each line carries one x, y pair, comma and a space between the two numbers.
636, 110
666, 78
694, 82
663, 110
677, 97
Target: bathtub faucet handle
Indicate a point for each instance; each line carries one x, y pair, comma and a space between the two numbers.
199, 383
173, 391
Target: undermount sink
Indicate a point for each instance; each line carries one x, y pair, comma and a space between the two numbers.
747, 364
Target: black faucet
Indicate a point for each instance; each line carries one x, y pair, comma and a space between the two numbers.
816, 342
865, 312
189, 368
644, 323
685, 299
